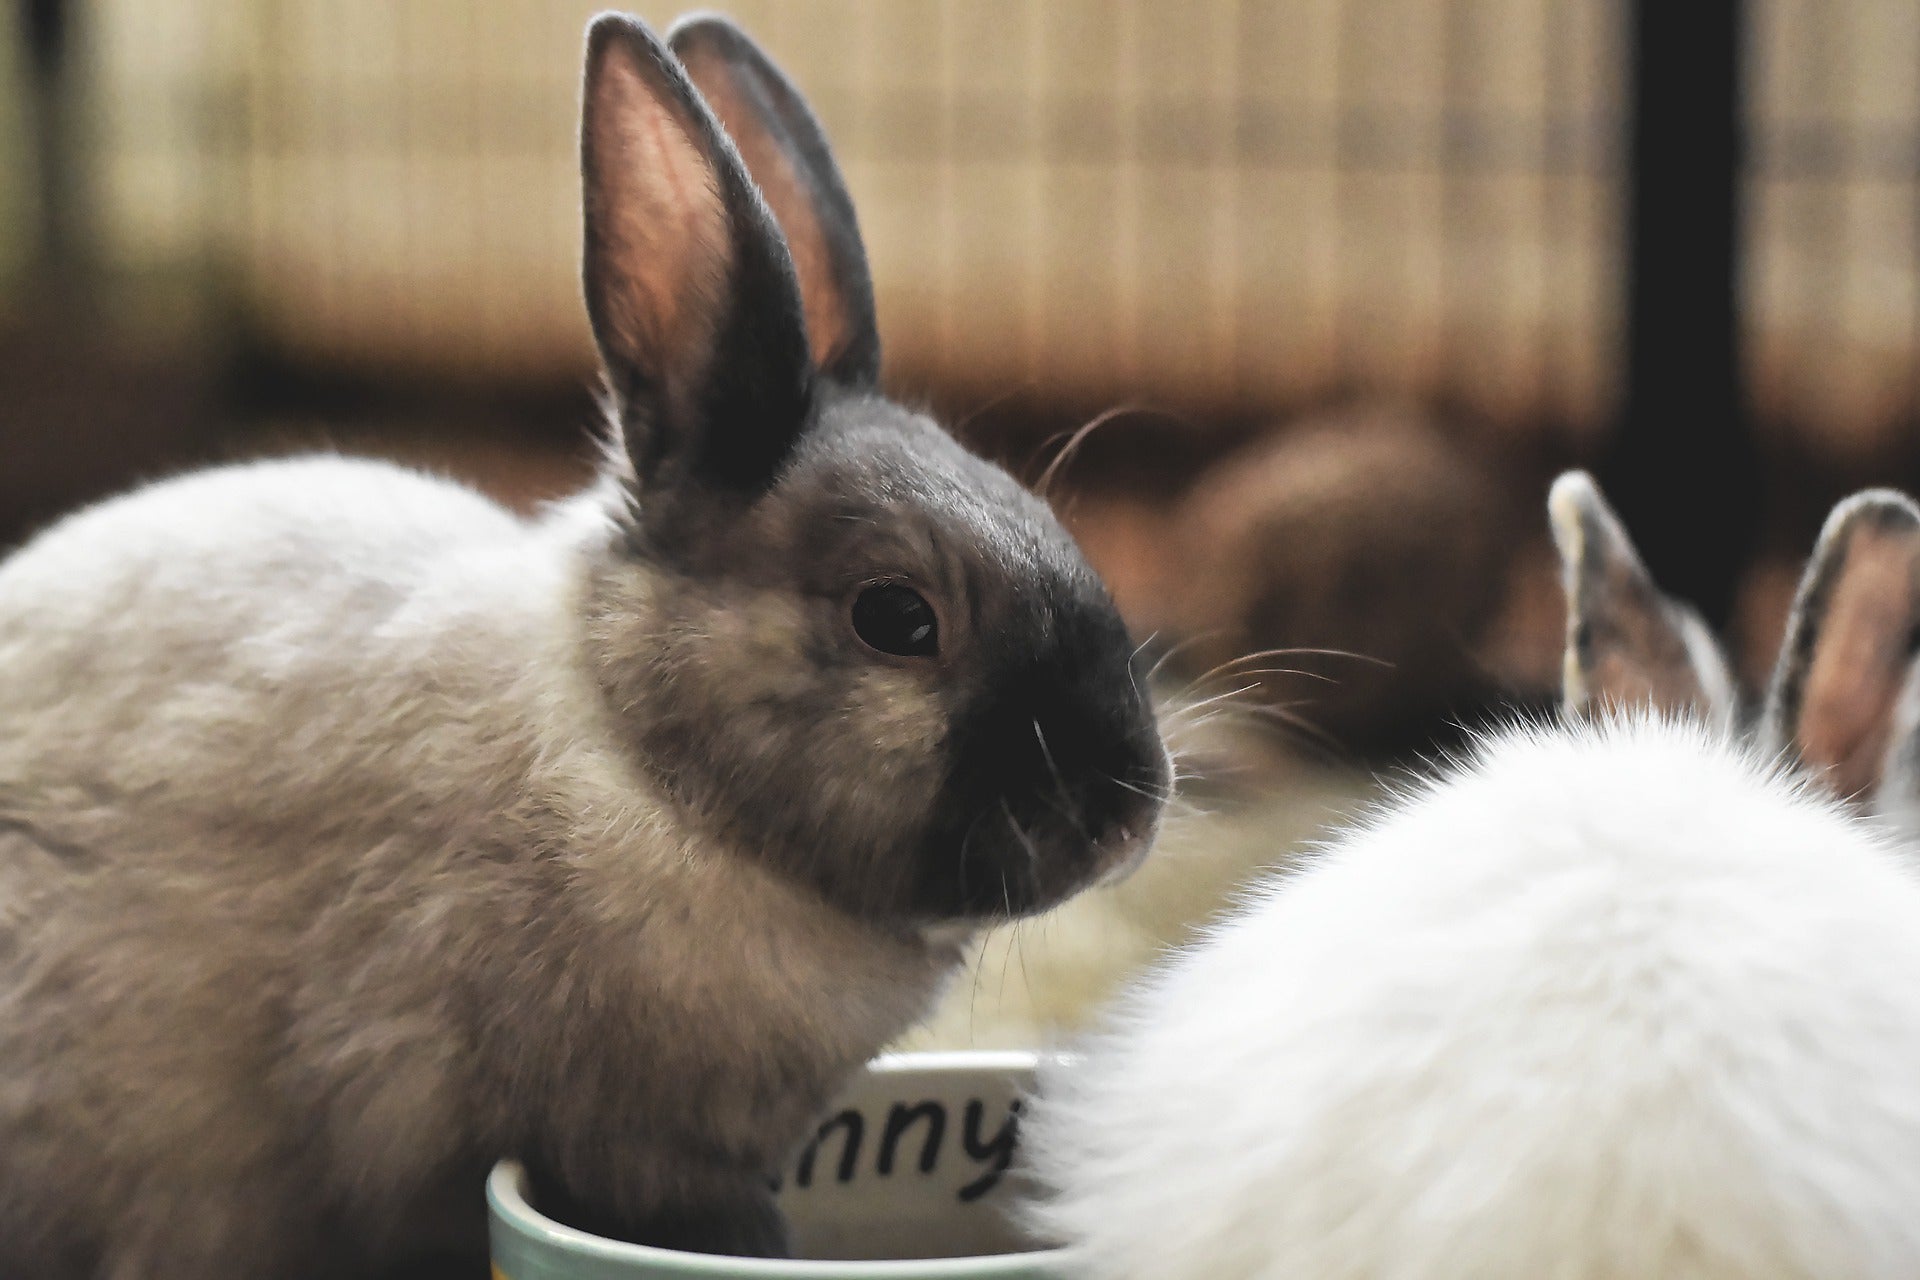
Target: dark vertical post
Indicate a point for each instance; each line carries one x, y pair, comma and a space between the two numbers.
1684, 469
48, 28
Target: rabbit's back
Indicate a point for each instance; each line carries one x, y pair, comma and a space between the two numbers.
279, 637
1609, 1003
234, 708
294, 546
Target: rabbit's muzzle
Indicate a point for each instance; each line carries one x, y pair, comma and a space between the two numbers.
1053, 789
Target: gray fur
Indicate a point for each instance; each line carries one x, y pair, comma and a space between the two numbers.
355, 832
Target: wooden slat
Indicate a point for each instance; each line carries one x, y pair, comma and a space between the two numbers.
1212, 203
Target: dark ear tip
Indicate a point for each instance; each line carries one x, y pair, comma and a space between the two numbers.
613, 28
705, 29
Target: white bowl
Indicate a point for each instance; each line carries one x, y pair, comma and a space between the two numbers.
912, 1177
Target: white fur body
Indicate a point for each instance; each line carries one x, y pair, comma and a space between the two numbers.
310, 813
1611, 1002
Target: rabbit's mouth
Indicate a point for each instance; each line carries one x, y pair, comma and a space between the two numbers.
1050, 804
1131, 839
1016, 860
1129, 851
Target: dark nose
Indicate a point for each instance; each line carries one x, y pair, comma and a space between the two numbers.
1107, 754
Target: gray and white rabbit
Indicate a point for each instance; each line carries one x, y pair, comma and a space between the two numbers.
355, 832
1632, 996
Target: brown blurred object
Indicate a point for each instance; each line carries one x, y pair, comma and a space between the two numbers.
1364, 545
516, 467
89, 406
1524, 644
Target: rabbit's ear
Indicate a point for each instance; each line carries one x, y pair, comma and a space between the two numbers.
1837, 692
689, 286
787, 154
1627, 644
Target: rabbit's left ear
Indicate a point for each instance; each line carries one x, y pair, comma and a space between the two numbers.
1627, 643
786, 152
689, 287
1836, 699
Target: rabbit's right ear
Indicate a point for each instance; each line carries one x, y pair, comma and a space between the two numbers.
1836, 699
1627, 644
786, 152
689, 285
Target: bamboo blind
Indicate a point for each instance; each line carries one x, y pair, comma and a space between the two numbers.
1833, 274
1210, 202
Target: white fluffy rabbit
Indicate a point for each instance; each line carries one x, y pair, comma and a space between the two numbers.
1627, 997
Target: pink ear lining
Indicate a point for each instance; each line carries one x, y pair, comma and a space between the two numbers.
659, 245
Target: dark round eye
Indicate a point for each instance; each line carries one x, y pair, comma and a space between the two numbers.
896, 619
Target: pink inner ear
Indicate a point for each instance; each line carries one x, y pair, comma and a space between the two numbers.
787, 194
1859, 660
662, 224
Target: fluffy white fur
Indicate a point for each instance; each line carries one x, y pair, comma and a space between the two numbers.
1611, 1001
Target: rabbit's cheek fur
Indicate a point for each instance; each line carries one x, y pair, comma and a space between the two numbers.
905, 720
781, 747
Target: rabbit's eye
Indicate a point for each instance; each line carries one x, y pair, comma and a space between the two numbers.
896, 619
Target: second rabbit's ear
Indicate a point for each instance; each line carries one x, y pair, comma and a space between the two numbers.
787, 154
1836, 696
1627, 644
689, 286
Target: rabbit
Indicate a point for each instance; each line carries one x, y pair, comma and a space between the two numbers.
1365, 533
355, 832
1631, 995
1843, 701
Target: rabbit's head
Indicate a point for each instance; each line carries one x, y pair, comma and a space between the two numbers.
830, 633
1843, 701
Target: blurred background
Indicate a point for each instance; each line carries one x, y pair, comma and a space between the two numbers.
1342, 285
